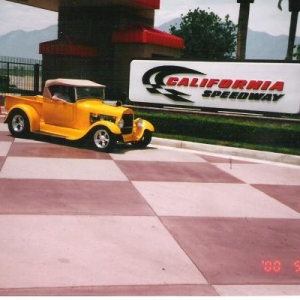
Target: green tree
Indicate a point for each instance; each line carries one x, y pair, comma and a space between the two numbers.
206, 35
297, 54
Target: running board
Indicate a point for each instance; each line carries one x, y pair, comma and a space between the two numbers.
60, 132
49, 134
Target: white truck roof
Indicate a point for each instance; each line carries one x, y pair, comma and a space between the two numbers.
72, 82
69, 82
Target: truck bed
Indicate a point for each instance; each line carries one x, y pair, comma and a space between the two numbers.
34, 101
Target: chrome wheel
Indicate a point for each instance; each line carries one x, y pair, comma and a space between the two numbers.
18, 123
103, 139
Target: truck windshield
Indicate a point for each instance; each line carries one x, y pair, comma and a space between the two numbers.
90, 92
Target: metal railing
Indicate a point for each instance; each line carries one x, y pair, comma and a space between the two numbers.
20, 75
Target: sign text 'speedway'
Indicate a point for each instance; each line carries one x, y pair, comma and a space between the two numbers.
239, 89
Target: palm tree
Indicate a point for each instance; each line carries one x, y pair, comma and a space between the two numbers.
294, 8
243, 28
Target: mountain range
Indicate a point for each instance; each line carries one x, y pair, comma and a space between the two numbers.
19, 43
25, 44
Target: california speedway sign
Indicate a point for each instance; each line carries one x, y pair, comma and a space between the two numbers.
250, 86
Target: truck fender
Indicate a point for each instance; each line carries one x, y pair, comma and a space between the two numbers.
141, 126
115, 129
33, 117
148, 125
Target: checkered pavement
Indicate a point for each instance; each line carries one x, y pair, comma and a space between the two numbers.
157, 221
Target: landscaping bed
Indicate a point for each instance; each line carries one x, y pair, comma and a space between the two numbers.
268, 135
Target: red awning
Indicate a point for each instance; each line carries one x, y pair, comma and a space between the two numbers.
151, 3
146, 35
57, 47
53, 5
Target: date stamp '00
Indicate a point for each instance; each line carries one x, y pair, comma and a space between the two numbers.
277, 266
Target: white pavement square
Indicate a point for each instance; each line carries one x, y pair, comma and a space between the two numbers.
212, 200
58, 168
65, 251
257, 290
151, 154
3, 127
28, 141
4, 148
263, 173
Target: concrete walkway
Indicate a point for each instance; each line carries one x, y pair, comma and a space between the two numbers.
158, 221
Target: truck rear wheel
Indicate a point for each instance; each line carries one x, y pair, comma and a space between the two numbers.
18, 124
102, 139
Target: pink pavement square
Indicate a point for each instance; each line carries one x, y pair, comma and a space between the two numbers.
5, 136
32, 149
174, 171
69, 197
217, 159
286, 194
240, 251
2, 159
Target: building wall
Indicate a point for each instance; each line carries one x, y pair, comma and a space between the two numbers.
64, 66
94, 27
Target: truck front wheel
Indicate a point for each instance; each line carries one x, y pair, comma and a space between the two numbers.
18, 124
102, 139
144, 141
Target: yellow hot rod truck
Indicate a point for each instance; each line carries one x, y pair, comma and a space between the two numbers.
75, 109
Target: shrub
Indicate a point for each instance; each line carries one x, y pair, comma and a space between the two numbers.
255, 132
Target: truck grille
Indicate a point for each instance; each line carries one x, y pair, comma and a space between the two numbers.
128, 124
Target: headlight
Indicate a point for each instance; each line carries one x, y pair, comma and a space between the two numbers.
121, 123
139, 122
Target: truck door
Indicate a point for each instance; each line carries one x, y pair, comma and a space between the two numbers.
59, 113
60, 109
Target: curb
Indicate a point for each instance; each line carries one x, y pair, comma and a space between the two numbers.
239, 152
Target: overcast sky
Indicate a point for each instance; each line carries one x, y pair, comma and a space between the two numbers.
264, 14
